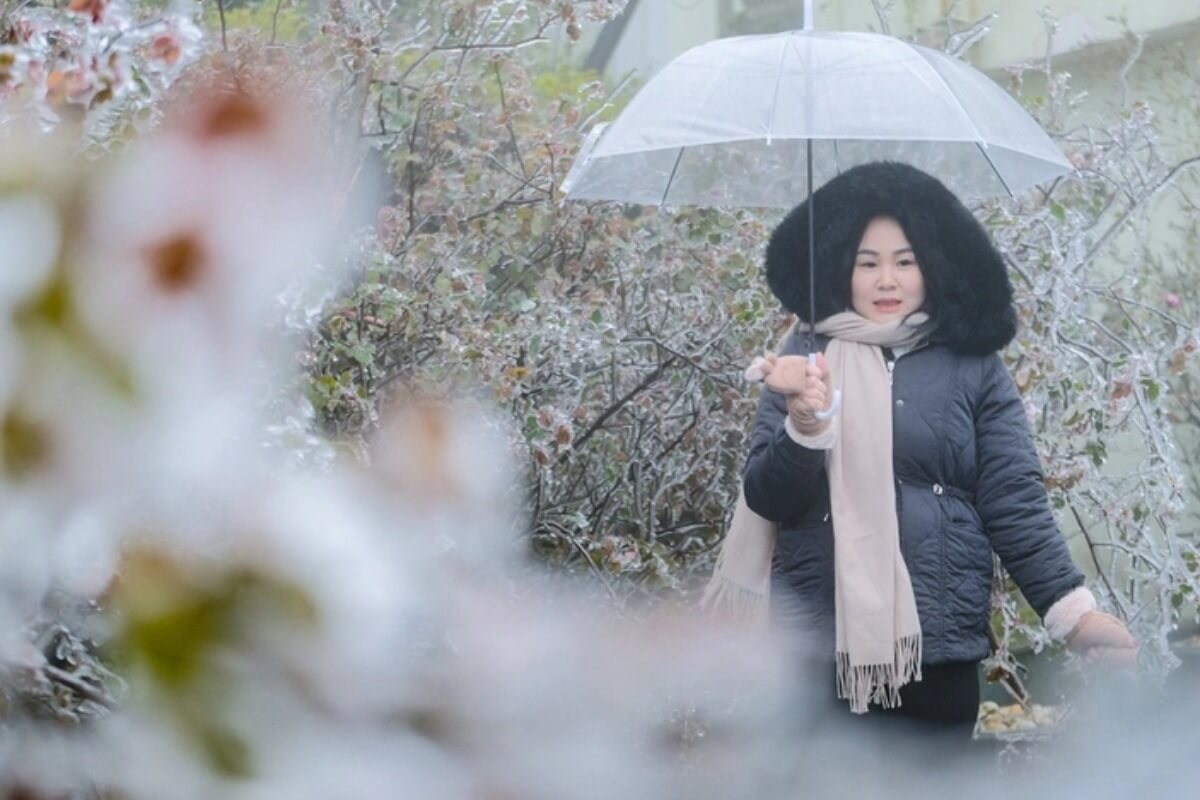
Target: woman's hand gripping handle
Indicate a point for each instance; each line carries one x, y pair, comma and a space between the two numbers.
805, 381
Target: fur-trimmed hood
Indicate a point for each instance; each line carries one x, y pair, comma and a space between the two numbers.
968, 293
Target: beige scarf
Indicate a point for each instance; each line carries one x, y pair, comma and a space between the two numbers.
878, 631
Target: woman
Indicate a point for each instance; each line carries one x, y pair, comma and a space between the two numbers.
887, 515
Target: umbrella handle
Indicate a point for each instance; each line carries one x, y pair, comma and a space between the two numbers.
835, 406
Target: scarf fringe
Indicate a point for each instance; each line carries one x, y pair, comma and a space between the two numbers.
863, 684
723, 595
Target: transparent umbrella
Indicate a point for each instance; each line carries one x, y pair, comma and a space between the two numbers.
733, 123
761, 120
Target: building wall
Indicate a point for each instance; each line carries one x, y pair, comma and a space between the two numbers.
662, 29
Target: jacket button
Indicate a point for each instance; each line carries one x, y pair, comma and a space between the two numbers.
900, 403
937, 488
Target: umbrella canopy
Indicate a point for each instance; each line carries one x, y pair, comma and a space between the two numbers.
728, 123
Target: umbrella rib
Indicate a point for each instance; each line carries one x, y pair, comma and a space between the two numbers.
984, 152
670, 180
950, 93
778, 82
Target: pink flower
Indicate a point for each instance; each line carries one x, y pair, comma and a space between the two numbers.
1172, 300
166, 48
89, 8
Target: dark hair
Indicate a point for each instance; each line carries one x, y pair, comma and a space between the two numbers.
967, 289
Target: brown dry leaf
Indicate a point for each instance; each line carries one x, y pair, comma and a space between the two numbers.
1023, 378
563, 435
1178, 362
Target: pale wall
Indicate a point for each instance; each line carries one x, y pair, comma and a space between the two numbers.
662, 29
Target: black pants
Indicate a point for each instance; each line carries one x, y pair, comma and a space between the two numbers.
928, 734
947, 694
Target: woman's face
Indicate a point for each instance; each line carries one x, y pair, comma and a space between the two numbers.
886, 284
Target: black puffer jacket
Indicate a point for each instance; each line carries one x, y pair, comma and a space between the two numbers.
968, 482
968, 478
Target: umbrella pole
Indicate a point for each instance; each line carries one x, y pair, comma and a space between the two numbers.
812, 250
836, 401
